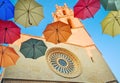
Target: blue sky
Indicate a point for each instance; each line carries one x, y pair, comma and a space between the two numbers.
109, 46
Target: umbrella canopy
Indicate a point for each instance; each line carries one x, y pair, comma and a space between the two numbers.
111, 23
57, 32
8, 56
9, 32
112, 5
7, 10
86, 8
28, 12
33, 48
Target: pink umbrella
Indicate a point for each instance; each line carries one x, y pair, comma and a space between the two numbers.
9, 32
86, 8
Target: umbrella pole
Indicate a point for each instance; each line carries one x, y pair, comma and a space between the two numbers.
29, 14
29, 17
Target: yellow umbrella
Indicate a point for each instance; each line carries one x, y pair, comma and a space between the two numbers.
111, 23
28, 12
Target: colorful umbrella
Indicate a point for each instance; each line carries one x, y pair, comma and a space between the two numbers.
112, 5
33, 48
57, 32
28, 12
86, 8
7, 10
9, 32
111, 23
8, 56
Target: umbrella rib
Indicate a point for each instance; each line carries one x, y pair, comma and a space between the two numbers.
35, 7
29, 5
26, 21
28, 45
49, 37
57, 36
87, 7
38, 14
94, 7
5, 37
93, 2
20, 9
113, 29
12, 58
20, 16
80, 10
9, 35
58, 39
33, 50
62, 35
6, 32
24, 48
23, 5
116, 19
106, 25
90, 12
15, 33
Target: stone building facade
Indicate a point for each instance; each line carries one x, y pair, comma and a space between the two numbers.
76, 61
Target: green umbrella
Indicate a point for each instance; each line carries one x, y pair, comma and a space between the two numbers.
111, 23
28, 12
112, 5
33, 48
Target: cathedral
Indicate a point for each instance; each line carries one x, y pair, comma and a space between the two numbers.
75, 61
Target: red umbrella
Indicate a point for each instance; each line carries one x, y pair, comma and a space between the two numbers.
9, 32
86, 8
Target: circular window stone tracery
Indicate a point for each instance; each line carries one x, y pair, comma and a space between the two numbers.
63, 62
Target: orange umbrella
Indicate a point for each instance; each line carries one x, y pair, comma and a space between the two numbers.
8, 56
57, 32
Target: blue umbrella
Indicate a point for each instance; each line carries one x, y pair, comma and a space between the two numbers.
7, 9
